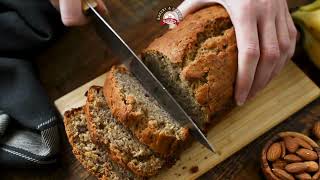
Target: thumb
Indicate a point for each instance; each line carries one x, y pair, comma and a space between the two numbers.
71, 13
55, 4
189, 6
185, 8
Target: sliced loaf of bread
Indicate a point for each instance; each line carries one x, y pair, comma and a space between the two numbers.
197, 62
123, 147
142, 114
94, 158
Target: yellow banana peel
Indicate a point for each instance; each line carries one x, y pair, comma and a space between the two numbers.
311, 6
312, 47
308, 18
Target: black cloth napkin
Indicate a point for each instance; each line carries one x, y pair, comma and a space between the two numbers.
28, 120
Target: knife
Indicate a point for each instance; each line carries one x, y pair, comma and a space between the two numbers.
144, 75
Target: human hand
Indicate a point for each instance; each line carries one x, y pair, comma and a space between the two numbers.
71, 11
266, 38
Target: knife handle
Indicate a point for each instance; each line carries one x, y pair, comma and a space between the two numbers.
85, 6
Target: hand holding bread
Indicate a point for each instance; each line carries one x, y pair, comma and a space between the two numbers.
266, 38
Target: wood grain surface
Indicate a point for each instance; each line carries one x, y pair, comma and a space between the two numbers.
79, 56
286, 94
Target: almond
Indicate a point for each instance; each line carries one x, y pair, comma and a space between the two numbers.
303, 176
291, 144
274, 152
316, 129
279, 164
303, 143
292, 158
312, 166
282, 174
296, 167
307, 154
316, 176
283, 149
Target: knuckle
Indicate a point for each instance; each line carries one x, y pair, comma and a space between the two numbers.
252, 52
267, 5
271, 54
293, 32
284, 44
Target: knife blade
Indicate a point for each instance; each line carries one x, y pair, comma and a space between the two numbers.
145, 76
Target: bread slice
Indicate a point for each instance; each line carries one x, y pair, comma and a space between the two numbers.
122, 146
138, 111
197, 62
93, 158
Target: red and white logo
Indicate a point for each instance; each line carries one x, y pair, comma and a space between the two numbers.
169, 16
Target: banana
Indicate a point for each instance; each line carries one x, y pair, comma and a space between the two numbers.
312, 47
311, 6
308, 18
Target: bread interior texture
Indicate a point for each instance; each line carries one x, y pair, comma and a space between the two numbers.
170, 73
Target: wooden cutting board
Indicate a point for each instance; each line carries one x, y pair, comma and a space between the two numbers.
285, 95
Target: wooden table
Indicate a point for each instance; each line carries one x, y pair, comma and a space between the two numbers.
79, 56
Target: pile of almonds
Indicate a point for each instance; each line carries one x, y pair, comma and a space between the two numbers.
291, 157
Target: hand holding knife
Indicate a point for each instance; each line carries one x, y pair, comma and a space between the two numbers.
143, 74
87, 3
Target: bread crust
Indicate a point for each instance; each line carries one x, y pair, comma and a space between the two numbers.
78, 154
109, 169
117, 154
123, 110
211, 73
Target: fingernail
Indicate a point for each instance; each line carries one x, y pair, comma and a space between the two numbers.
242, 99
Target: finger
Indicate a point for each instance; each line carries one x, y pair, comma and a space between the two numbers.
101, 7
55, 4
283, 38
186, 7
248, 55
71, 13
270, 53
189, 6
293, 34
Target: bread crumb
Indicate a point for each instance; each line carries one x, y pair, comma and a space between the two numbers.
184, 167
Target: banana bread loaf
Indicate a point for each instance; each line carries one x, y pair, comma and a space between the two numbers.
138, 111
123, 147
197, 62
94, 158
